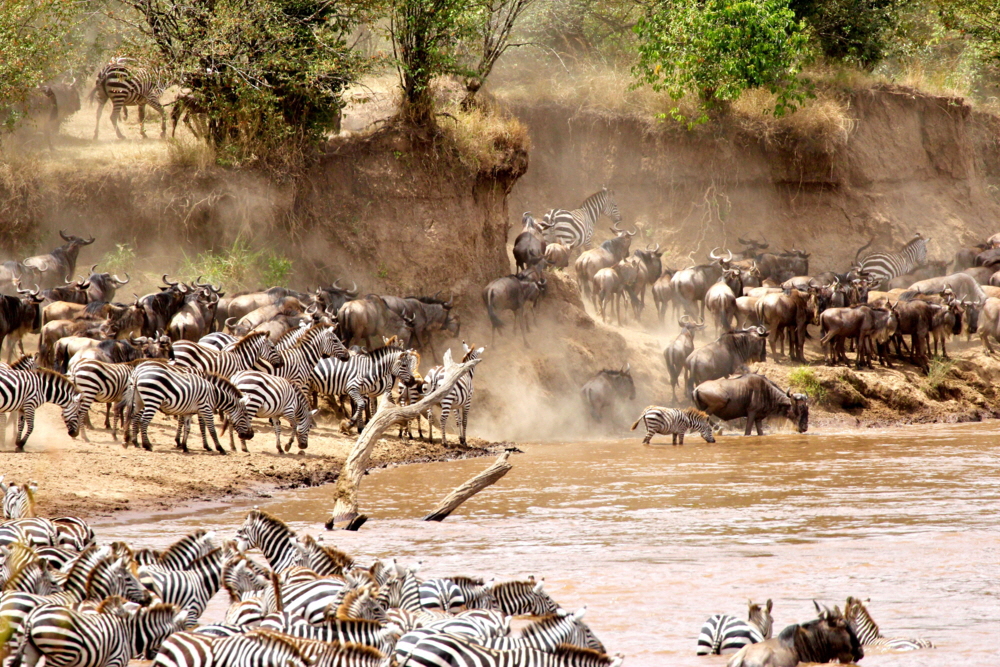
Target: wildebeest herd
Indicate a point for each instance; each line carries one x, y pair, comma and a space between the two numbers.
757, 298
189, 350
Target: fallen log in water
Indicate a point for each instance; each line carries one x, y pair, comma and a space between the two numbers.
471, 487
345, 509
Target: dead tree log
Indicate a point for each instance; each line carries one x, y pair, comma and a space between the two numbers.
471, 487
345, 509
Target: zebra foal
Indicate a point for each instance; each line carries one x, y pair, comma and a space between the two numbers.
24, 391
675, 423
868, 633
127, 86
723, 632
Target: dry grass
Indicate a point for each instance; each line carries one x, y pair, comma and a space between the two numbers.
485, 137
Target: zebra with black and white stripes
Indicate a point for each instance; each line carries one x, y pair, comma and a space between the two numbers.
458, 399
189, 589
181, 392
884, 266
274, 538
127, 85
109, 638
18, 500
354, 631
318, 342
576, 228
273, 397
440, 650
100, 382
723, 632
218, 340
523, 598
868, 633
671, 421
24, 391
242, 356
441, 594
363, 376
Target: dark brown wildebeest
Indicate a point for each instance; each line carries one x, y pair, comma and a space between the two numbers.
58, 266
512, 293
368, 320
727, 355
837, 325
603, 391
650, 270
161, 306
946, 321
195, 318
663, 292
823, 640
333, 297
915, 320
103, 286
789, 311
679, 350
429, 314
16, 322
607, 255
690, 284
529, 246
71, 292
754, 397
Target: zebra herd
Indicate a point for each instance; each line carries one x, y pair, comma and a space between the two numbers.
69, 601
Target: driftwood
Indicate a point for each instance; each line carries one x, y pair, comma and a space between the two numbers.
471, 487
345, 509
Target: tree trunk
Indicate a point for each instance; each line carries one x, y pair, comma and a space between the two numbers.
345, 510
471, 487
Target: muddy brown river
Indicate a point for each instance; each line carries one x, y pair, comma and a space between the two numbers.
653, 540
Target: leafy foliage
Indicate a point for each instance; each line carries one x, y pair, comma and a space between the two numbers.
269, 73
804, 379
120, 260
718, 48
854, 31
238, 266
978, 19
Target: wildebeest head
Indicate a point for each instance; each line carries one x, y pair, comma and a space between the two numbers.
651, 259
830, 635
722, 261
621, 380
102, 286
752, 248
798, 410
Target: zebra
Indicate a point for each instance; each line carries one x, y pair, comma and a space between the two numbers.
18, 500
157, 386
275, 397
317, 342
441, 594
74, 533
440, 650
189, 589
722, 632
24, 391
324, 560
364, 375
459, 398
355, 631
218, 340
866, 629
673, 422
240, 357
34, 532
101, 382
182, 554
110, 637
884, 266
127, 86
523, 598
576, 228
276, 540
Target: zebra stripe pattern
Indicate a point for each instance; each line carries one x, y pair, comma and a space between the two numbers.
275, 397
24, 391
276, 541
440, 594
298, 361
440, 649
459, 398
523, 598
240, 357
190, 590
355, 631
723, 632
888, 265
128, 86
363, 375
18, 500
218, 340
100, 382
256, 649
670, 421
868, 633
157, 386
576, 228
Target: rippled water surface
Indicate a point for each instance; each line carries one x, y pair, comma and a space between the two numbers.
653, 540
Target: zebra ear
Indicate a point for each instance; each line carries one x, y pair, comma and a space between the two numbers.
768, 605
579, 614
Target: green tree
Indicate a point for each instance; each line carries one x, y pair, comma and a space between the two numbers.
269, 73
716, 49
494, 22
856, 31
978, 20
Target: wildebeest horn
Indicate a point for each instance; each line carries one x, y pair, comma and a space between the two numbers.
450, 302
616, 228
167, 281
744, 242
761, 331
83, 284
118, 280
230, 322
92, 239
712, 254
765, 244
93, 269
354, 288
685, 319
730, 258
63, 235
635, 230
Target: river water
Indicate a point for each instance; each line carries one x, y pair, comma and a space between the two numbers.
653, 540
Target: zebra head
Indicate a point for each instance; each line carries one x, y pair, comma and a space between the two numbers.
72, 415
609, 206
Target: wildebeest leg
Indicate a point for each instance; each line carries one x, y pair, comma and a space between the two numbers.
524, 325
751, 419
759, 423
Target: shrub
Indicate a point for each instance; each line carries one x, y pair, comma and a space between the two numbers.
121, 260
804, 379
238, 267
937, 372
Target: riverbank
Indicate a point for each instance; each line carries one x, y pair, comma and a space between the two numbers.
99, 478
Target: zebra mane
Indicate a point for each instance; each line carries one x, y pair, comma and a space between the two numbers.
515, 585
339, 558
596, 196
855, 613
467, 581
261, 516
579, 654
312, 332
695, 413
24, 363
542, 624
221, 383
344, 608
182, 543
379, 352
112, 604
247, 340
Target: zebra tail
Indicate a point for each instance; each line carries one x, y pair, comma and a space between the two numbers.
494, 320
637, 422
862, 249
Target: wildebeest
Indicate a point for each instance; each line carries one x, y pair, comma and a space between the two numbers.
333, 297
679, 350
607, 255
964, 286
915, 318
608, 288
720, 299
860, 323
512, 293
754, 397
71, 292
663, 292
557, 254
602, 392
12, 273
989, 323
103, 286
46, 107
370, 319
786, 311
727, 355
196, 316
946, 322
825, 639
981, 274
161, 306
186, 108
19, 317
58, 266
529, 246
690, 284
428, 314
650, 268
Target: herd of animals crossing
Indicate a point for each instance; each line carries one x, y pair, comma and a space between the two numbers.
71, 601
755, 298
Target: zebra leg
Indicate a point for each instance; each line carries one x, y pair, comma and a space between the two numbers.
649, 436
206, 419
680, 438
142, 120
107, 415
445, 413
163, 118
179, 435
3, 429
465, 424
100, 108
276, 423
28, 418
115, 113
